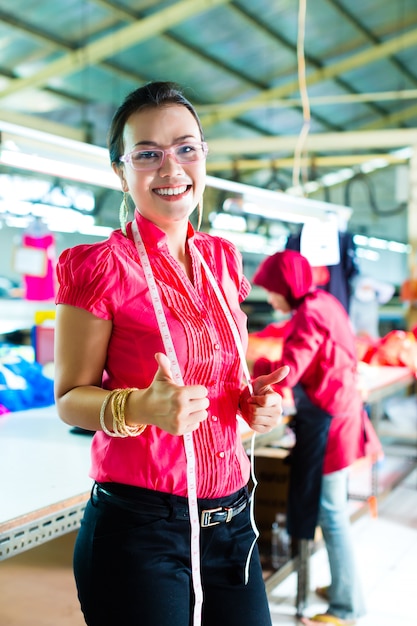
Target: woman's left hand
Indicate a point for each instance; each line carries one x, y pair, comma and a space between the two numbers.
263, 410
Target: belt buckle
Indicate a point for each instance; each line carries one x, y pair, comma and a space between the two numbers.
229, 515
205, 519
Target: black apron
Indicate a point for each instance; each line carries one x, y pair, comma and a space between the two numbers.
311, 426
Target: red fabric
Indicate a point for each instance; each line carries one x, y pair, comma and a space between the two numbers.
276, 329
397, 348
321, 275
107, 279
287, 273
320, 349
365, 347
408, 290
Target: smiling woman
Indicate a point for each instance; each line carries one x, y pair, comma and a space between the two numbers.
149, 343
166, 168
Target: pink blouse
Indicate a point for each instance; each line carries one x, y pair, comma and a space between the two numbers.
107, 279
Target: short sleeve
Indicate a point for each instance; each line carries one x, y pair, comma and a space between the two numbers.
89, 278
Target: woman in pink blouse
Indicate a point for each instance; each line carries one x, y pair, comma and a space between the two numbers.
147, 356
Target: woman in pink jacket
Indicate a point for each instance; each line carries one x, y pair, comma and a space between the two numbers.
331, 427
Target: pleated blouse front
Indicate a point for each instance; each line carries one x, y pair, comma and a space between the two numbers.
107, 279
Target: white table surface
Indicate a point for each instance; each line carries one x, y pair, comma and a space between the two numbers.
41, 462
19, 314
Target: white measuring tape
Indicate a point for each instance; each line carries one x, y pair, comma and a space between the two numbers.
239, 346
188, 437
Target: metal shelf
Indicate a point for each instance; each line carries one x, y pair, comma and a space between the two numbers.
41, 526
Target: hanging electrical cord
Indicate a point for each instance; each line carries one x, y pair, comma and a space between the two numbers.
313, 175
362, 178
300, 145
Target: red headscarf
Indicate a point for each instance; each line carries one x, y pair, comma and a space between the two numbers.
287, 273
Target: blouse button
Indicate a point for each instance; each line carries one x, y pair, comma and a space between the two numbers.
214, 418
216, 346
221, 455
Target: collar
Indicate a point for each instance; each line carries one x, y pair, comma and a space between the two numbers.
152, 235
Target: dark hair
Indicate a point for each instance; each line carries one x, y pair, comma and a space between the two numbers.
151, 95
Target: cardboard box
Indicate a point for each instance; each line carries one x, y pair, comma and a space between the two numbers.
271, 494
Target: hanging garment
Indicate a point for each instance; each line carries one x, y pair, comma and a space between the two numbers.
340, 275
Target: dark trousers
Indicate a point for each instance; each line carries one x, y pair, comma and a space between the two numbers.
132, 566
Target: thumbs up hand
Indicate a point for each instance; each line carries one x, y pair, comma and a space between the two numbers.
263, 410
177, 409
262, 384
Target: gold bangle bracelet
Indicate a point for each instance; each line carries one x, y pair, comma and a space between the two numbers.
102, 413
119, 414
118, 399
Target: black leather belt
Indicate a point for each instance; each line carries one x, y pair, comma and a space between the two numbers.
223, 514
208, 517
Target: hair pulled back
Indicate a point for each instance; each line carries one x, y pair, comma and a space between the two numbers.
151, 95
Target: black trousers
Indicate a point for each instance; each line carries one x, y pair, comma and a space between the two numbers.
132, 565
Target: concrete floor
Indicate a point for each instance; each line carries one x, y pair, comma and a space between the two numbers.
386, 552
37, 586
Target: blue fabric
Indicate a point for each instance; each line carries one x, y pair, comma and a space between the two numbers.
35, 391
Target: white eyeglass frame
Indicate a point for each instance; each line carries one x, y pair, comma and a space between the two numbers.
127, 158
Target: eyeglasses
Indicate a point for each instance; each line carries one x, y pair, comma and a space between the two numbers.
153, 158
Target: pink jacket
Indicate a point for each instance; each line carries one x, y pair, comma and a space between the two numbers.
320, 349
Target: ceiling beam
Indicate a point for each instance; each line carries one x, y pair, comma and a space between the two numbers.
311, 61
349, 16
345, 160
35, 121
111, 44
42, 124
54, 43
277, 147
317, 142
394, 119
133, 16
123, 13
364, 57
336, 99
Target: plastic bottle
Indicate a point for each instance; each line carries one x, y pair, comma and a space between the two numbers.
280, 542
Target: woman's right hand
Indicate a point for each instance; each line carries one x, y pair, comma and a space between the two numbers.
177, 409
